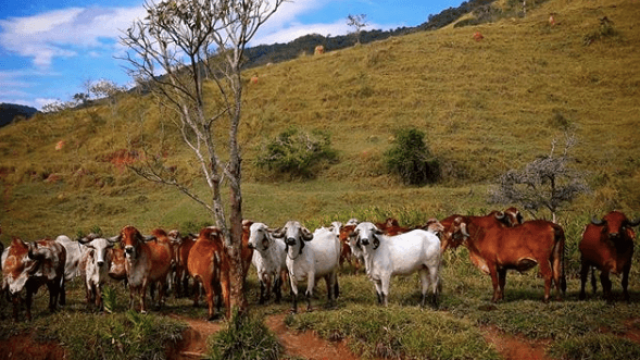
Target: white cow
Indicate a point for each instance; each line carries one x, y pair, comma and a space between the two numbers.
387, 256
75, 252
95, 265
310, 260
269, 258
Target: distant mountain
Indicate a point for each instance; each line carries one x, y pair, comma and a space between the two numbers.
8, 112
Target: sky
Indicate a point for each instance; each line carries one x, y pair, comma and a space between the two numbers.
50, 49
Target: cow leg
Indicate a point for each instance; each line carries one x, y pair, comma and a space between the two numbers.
502, 280
606, 286
54, 291
594, 283
196, 293
385, 283
143, 296
277, 287
28, 301
63, 297
434, 280
208, 290
494, 282
378, 286
98, 300
262, 291
294, 293
17, 303
584, 273
132, 291
424, 280
336, 286
311, 283
625, 281
547, 274
161, 294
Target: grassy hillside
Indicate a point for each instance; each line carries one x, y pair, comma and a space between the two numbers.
487, 106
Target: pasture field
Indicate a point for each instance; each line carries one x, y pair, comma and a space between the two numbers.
569, 329
486, 106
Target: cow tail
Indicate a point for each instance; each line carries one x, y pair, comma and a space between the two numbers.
560, 238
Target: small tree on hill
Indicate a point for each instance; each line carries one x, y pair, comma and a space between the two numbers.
171, 50
359, 23
545, 183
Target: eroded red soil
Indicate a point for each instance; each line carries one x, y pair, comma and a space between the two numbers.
515, 348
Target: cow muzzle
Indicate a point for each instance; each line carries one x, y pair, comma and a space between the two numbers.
291, 241
364, 241
130, 252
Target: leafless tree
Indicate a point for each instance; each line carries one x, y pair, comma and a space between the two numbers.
172, 50
358, 22
547, 182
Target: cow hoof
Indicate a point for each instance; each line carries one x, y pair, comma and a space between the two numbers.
293, 311
143, 311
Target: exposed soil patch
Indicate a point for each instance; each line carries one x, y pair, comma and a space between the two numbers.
24, 347
516, 348
194, 339
307, 344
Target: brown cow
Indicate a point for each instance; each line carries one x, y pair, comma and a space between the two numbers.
507, 218
391, 227
117, 269
146, 262
31, 265
497, 248
182, 246
208, 264
349, 250
607, 244
247, 252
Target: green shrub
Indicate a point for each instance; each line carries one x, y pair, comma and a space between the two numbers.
410, 158
245, 338
297, 153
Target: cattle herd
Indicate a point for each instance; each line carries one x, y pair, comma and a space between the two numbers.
496, 242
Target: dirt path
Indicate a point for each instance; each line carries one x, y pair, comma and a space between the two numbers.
308, 344
194, 342
513, 347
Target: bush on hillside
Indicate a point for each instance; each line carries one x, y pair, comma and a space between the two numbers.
410, 158
297, 153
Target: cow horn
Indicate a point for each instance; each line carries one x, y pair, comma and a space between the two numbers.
114, 239
635, 222
306, 234
499, 215
463, 230
595, 221
85, 240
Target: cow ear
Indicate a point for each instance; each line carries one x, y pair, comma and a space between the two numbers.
306, 234
376, 242
279, 232
378, 231
17, 242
